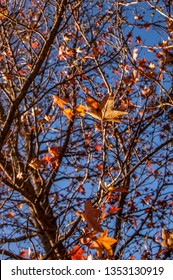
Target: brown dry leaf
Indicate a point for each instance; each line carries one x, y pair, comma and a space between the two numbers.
105, 110
91, 216
104, 244
167, 239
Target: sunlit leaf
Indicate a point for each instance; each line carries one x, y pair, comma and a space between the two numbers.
104, 244
36, 164
60, 102
69, 114
80, 110
104, 111
53, 150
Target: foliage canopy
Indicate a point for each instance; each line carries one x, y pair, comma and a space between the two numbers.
86, 133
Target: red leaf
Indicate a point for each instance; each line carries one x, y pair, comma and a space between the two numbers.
135, 223
77, 253
98, 147
35, 45
54, 151
113, 209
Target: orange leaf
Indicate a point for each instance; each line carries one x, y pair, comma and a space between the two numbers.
114, 189
80, 110
91, 103
23, 253
77, 253
45, 159
10, 215
105, 110
99, 166
54, 151
35, 45
104, 244
60, 102
69, 113
113, 209
98, 147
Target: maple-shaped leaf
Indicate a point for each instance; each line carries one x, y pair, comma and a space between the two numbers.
91, 215
167, 239
104, 244
105, 110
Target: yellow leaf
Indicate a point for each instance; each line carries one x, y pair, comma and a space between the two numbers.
69, 113
80, 110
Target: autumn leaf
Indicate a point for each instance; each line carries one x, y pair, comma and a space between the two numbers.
91, 215
36, 164
69, 114
60, 102
46, 159
104, 244
113, 209
23, 253
77, 253
80, 110
91, 103
115, 189
10, 215
35, 45
105, 110
167, 239
54, 151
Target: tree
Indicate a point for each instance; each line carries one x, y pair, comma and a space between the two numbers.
86, 129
